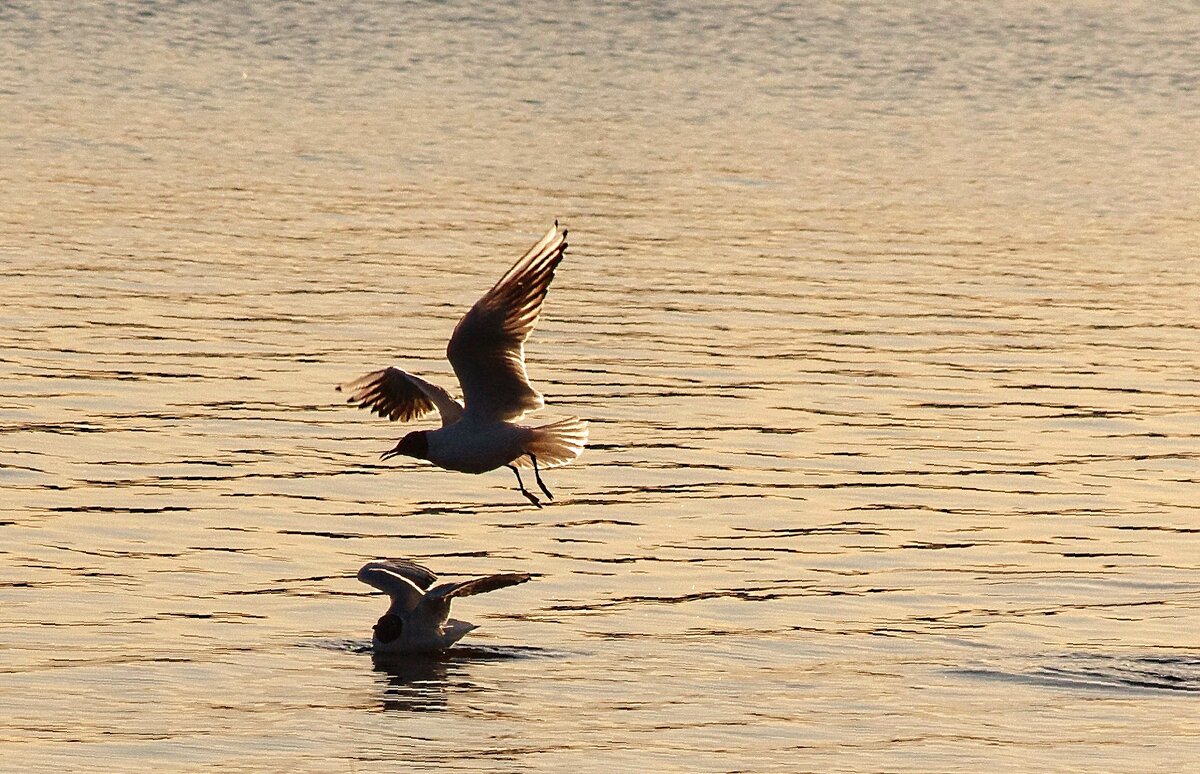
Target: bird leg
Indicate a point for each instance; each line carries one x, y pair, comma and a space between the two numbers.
524, 491
538, 476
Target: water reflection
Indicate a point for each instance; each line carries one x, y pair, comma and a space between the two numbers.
882, 315
427, 682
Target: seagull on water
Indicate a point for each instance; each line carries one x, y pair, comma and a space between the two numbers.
419, 617
487, 352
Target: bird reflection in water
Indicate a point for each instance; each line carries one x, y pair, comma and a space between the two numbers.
424, 682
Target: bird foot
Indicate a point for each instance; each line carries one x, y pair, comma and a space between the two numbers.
521, 485
538, 476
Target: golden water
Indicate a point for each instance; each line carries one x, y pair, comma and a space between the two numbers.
885, 320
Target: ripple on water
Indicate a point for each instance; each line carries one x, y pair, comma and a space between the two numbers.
883, 316
1102, 672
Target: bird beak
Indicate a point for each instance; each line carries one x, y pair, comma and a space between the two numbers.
387, 455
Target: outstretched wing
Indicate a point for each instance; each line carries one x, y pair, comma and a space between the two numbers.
478, 585
399, 395
487, 349
435, 606
403, 581
421, 576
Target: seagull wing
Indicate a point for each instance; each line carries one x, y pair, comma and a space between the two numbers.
397, 394
477, 585
396, 579
487, 349
421, 576
436, 602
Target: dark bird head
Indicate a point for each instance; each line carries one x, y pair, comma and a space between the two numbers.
415, 444
388, 628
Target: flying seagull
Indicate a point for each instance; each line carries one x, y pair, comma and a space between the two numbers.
487, 352
418, 619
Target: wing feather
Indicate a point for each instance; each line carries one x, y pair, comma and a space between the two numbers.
478, 585
421, 576
399, 395
434, 608
487, 349
394, 580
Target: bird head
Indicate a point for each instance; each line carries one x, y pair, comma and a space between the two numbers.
415, 444
388, 628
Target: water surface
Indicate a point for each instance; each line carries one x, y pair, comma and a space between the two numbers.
883, 317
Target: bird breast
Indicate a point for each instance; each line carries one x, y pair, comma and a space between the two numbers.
472, 447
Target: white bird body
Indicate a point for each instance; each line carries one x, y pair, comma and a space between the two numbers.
487, 352
473, 446
418, 619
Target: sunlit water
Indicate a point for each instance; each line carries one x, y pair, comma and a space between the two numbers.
885, 321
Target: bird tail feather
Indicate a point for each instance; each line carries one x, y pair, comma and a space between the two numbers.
555, 444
